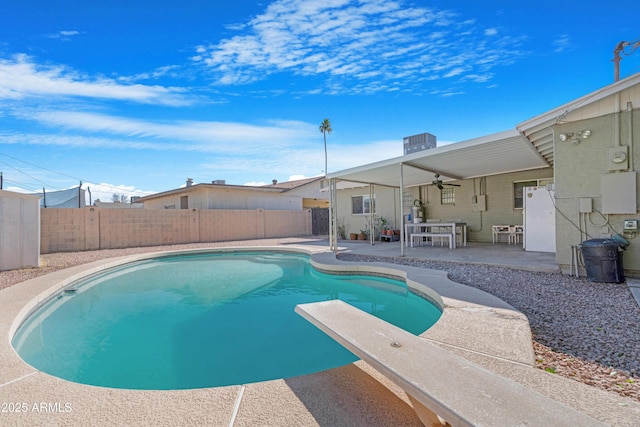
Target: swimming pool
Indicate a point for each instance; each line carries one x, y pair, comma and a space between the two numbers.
203, 320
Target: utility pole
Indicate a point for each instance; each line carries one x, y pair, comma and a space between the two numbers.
620, 48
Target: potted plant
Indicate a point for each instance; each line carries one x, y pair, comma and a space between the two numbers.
364, 234
353, 236
342, 232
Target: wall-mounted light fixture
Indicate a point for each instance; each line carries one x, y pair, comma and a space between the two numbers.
575, 137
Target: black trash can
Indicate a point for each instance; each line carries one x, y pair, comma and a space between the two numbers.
603, 260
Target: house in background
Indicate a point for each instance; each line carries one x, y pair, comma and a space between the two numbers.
118, 205
310, 190
582, 154
292, 195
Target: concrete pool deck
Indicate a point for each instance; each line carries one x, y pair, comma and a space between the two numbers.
474, 325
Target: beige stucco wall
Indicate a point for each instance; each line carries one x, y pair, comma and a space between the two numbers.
19, 230
227, 198
386, 199
499, 202
498, 190
93, 228
311, 190
579, 169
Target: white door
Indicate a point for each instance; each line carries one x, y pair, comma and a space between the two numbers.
539, 220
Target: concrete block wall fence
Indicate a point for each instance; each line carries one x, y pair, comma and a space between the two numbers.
91, 228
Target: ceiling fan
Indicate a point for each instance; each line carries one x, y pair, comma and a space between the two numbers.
438, 182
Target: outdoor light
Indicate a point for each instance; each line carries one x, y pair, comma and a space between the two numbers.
575, 136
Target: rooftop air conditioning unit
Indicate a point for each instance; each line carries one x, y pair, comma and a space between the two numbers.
420, 142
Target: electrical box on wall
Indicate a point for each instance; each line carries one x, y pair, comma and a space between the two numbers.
619, 158
618, 193
479, 203
586, 205
630, 229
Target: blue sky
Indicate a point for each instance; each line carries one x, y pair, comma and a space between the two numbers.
134, 97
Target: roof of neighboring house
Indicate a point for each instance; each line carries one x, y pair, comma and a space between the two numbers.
117, 205
290, 185
277, 188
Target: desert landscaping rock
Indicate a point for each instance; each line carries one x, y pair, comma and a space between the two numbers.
582, 330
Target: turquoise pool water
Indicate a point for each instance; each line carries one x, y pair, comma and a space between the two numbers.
205, 320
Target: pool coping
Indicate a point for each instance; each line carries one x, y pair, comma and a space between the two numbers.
474, 324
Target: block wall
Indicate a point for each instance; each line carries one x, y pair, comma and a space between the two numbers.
91, 228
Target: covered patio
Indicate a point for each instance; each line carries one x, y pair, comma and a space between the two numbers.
499, 254
497, 154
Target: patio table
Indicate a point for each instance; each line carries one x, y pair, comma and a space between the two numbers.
449, 227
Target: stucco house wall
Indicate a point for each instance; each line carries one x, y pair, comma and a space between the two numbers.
579, 170
498, 190
312, 195
499, 193
226, 198
386, 202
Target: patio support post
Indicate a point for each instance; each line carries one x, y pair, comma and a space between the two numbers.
333, 229
401, 214
372, 208
335, 213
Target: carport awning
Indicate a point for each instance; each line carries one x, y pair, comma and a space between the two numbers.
493, 154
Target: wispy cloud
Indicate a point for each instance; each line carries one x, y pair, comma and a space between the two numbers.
562, 43
357, 45
120, 132
104, 191
308, 162
21, 78
167, 70
64, 34
230, 148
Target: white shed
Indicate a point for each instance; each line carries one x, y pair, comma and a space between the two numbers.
19, 230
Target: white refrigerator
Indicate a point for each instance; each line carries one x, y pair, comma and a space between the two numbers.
539, 219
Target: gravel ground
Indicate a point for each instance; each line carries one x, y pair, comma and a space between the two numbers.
582, 330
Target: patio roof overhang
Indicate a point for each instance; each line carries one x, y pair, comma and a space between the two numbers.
494, 154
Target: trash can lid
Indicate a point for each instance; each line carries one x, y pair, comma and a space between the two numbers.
600, 243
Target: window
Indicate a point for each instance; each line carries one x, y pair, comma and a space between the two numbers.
360, 205
448, 196
184, 202
518, 190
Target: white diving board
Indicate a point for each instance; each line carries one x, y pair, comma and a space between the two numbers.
444, 389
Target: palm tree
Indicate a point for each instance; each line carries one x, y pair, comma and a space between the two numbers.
325, 127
